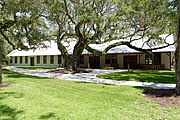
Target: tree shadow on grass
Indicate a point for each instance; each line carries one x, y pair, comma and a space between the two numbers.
157, 92
5, 94
160, 92
7, 112
49, 115
10, 74
155, 76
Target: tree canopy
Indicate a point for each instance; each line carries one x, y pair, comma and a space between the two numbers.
100, 21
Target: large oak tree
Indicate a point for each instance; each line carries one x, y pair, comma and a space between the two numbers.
20, 23
96, 21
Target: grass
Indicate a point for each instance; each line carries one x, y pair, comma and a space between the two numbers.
33, 98
157, 76
37, 67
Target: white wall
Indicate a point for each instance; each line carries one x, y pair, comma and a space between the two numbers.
120, 60
18, 61
165, 60
142, 59
102, 62
35, 61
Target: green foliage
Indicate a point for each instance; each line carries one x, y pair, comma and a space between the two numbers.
156, 76
20, 22
30, 98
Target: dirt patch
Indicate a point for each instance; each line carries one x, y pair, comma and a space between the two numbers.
4, 85
67, 71
165, 98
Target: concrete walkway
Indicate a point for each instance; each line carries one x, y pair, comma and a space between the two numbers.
91, 77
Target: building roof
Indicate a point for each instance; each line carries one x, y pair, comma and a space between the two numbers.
52, 48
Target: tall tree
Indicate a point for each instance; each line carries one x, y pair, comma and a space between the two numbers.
177, 52
87, 21
1, 53
19, 23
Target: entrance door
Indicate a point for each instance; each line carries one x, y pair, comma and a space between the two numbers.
131, 60
32, 61
94, 62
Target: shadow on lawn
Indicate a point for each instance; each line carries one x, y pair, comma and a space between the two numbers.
48, 115
143, 76
157, 92
10, 74
7, 112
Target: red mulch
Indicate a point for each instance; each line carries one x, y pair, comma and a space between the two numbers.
4, 85
67, 71
165, 98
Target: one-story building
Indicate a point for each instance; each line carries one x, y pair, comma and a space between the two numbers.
118, 57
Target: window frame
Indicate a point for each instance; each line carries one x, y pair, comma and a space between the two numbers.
148, 59
15, 60
59, 59
11, 60
51, 59
107, 59
38, 59
157, 58
44, 59
20, 59
26, 59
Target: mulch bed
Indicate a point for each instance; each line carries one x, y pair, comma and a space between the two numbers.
67, 71
166, 98
4, 85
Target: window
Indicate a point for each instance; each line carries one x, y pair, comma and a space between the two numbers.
51, 59
26, 59
38, 59
111, 59
148, 58
11, 60
114, 59
81, 59
44, 59
108, 59
59, 59
157, 58
15, 59
21, 59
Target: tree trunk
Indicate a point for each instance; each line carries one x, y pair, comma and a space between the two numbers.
177, 53
78, 49
64, 53
1, 53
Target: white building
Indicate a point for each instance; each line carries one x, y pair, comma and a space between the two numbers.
118, 57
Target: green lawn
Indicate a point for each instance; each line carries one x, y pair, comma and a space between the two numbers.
157, 76
32, 98
36, 67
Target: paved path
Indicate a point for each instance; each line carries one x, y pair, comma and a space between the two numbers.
91, 77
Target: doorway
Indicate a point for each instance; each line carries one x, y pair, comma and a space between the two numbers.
94, 62
32, 61
131, 60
